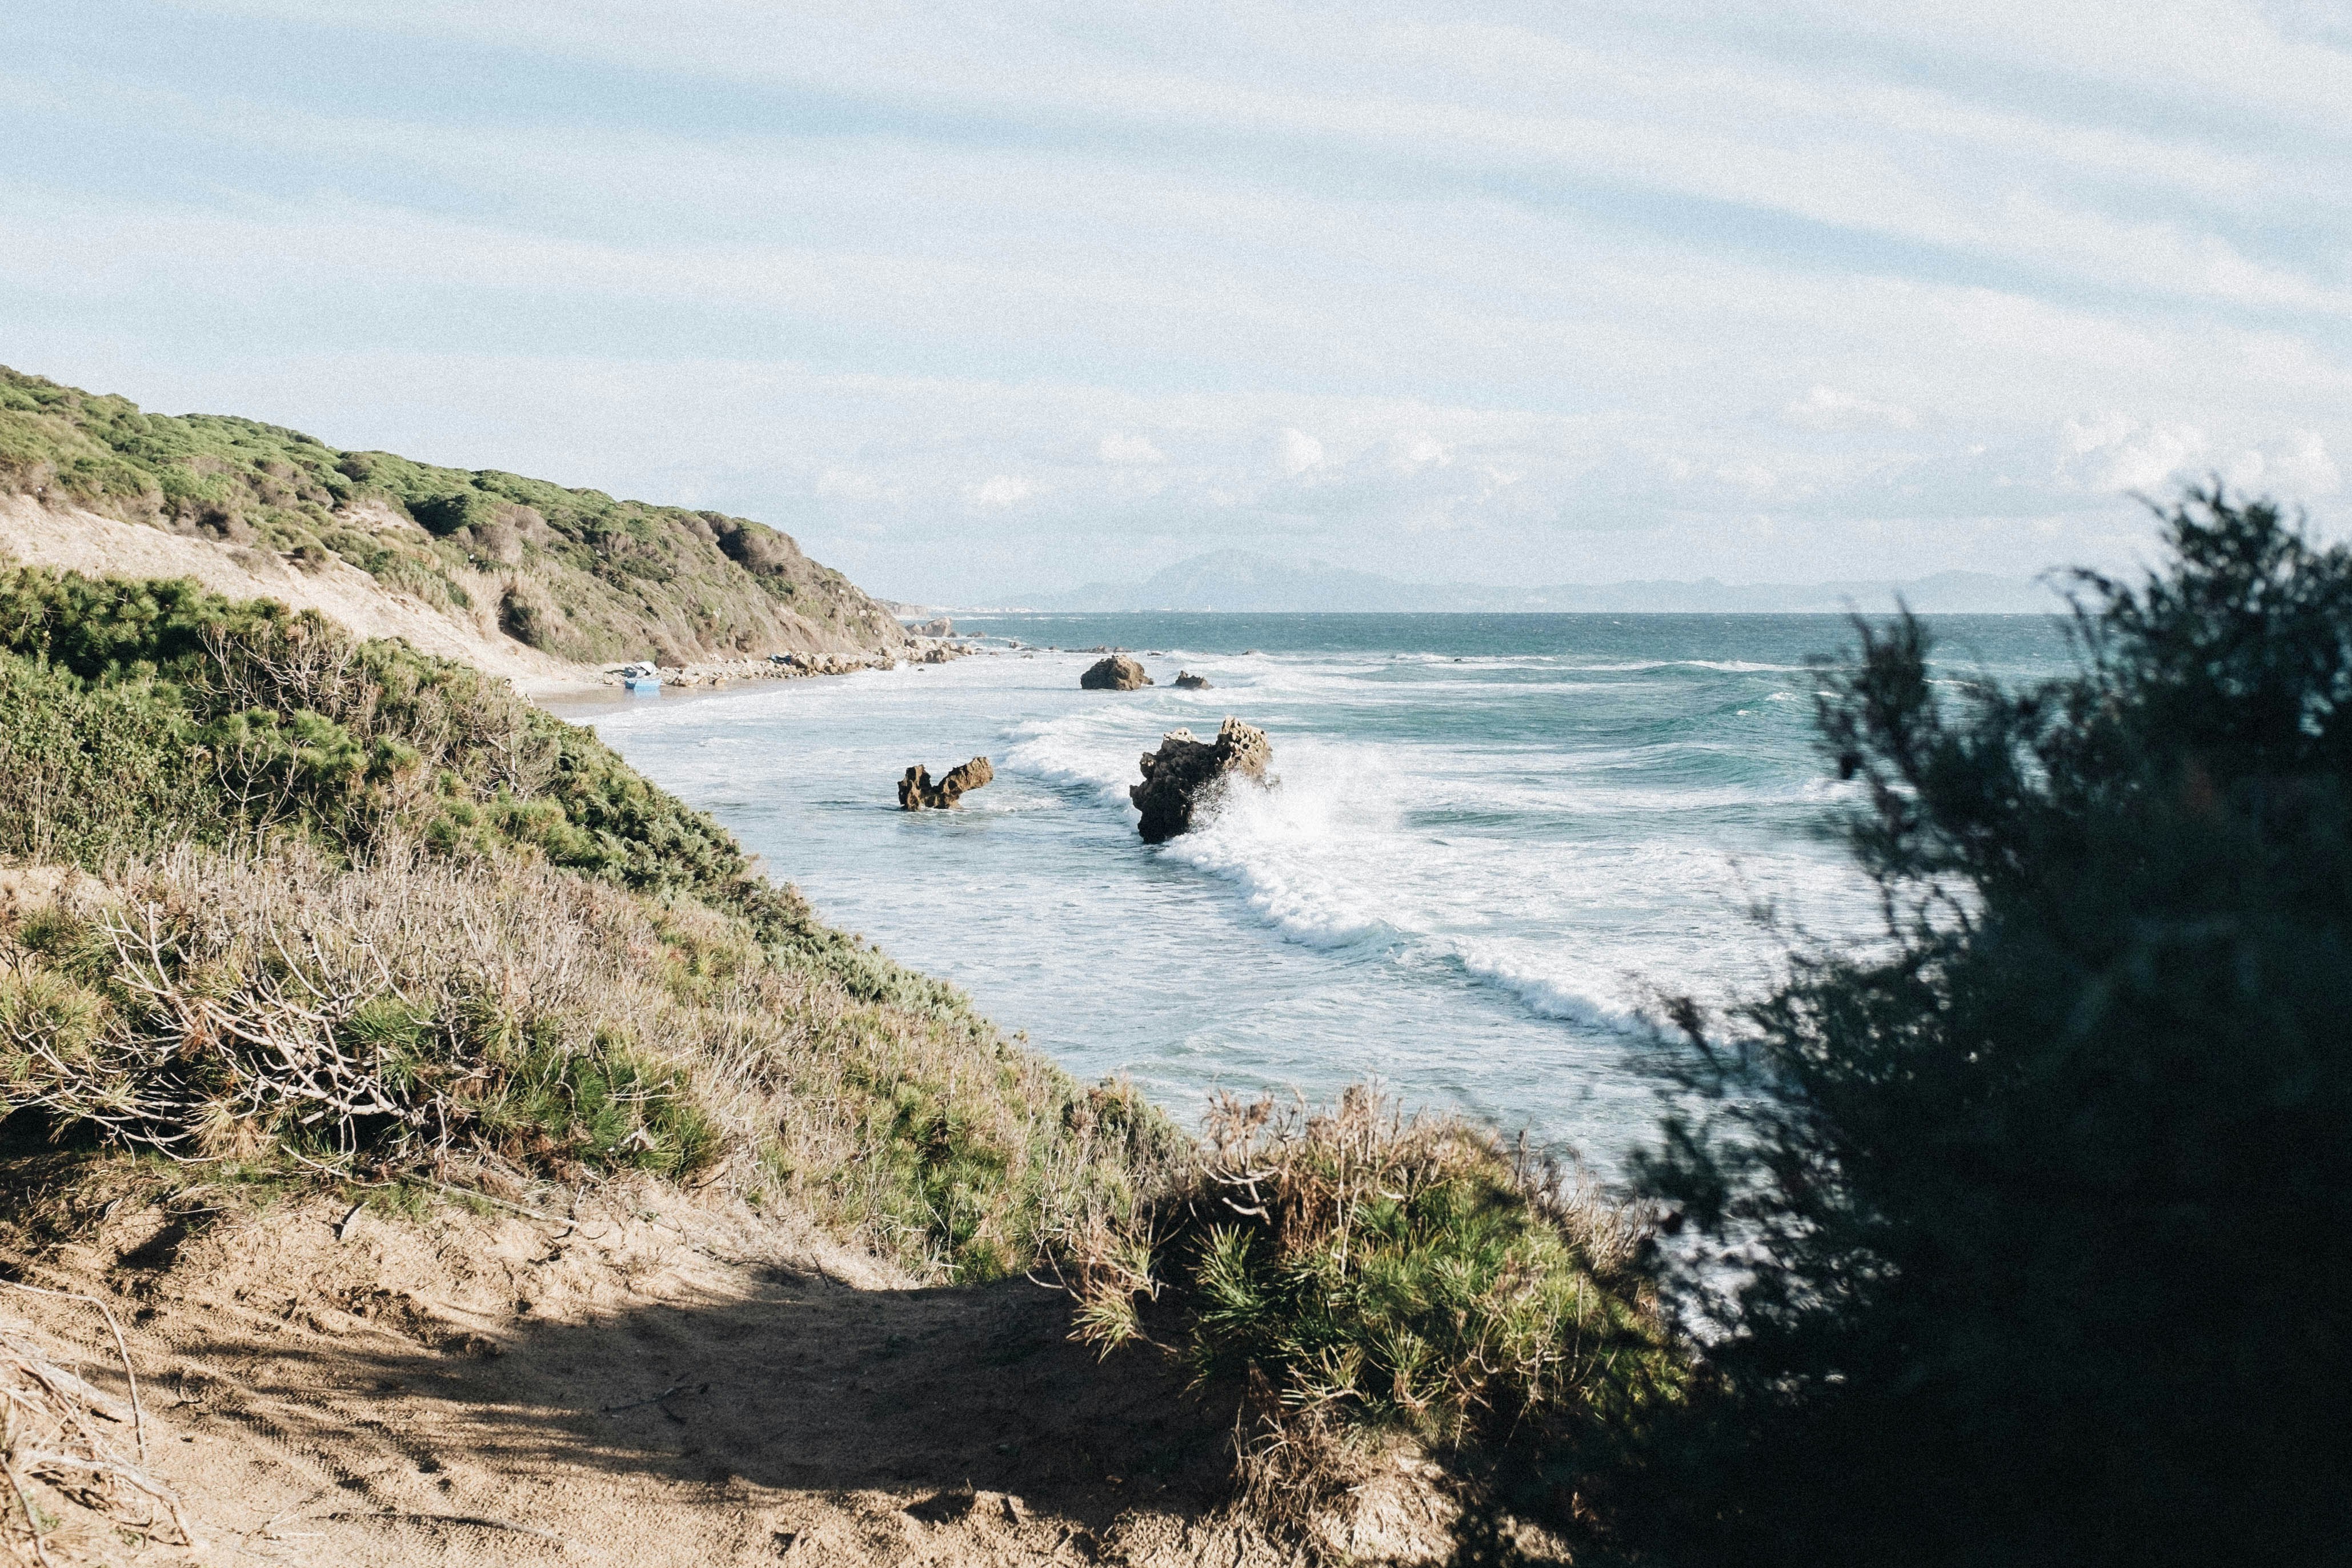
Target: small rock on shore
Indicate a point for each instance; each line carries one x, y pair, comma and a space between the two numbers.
1116, 674
917, 792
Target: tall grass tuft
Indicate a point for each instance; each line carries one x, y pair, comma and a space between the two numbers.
1363, 1273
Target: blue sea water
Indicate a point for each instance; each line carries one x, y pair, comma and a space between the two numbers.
1493, 840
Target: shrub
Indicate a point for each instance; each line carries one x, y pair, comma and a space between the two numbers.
528, 614
86, 775
1366, 1274
215, 1008
2035, 1211
411, 1017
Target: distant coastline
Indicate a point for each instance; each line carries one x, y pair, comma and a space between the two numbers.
1240, 581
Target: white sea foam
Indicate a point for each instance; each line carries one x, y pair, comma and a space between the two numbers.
1550, 995
1303, 853
1326, 859
1089, 749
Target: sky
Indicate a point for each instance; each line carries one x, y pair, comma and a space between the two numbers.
977, 300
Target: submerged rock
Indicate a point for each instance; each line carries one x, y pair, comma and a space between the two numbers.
1186, 774
1116, 673
916, 791
1187, 680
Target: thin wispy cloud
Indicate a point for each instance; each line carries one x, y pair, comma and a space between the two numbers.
979, 300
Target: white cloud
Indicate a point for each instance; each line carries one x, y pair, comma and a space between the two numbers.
2300, 465
2295, 466
1129, 449
999, 491
2115, 453
1297, 451
1826, 408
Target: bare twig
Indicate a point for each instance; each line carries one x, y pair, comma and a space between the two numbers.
674, 1388
121, 1348
32, 1519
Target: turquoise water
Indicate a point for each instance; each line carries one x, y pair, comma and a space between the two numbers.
1494, 838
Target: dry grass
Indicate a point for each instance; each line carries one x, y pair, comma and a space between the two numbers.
414, 1017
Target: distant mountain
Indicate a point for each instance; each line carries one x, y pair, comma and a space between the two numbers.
1239, 580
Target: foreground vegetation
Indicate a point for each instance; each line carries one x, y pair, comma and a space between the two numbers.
572, 572
2013, 1236
345, 908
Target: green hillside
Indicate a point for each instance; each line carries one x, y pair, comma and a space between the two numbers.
574, 573
346, 911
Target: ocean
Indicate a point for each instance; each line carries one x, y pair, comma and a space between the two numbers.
1494, 840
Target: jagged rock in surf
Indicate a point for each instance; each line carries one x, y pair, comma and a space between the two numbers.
1116, 673
917, 792
1185, 775
1187, 680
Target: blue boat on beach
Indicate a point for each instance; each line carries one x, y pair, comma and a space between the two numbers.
642, 679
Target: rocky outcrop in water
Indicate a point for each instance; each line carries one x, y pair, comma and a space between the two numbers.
1189, 682
1116, 673
1186, 774
917, 792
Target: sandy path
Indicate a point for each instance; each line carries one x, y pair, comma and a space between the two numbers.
628, 1389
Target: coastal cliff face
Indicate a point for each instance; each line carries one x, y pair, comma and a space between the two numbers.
514, 574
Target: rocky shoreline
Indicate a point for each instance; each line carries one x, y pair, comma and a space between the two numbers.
791, 667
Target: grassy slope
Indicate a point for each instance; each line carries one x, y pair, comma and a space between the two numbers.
574, 573
345, 875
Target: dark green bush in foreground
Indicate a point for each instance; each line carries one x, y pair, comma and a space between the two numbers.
2046, 1208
